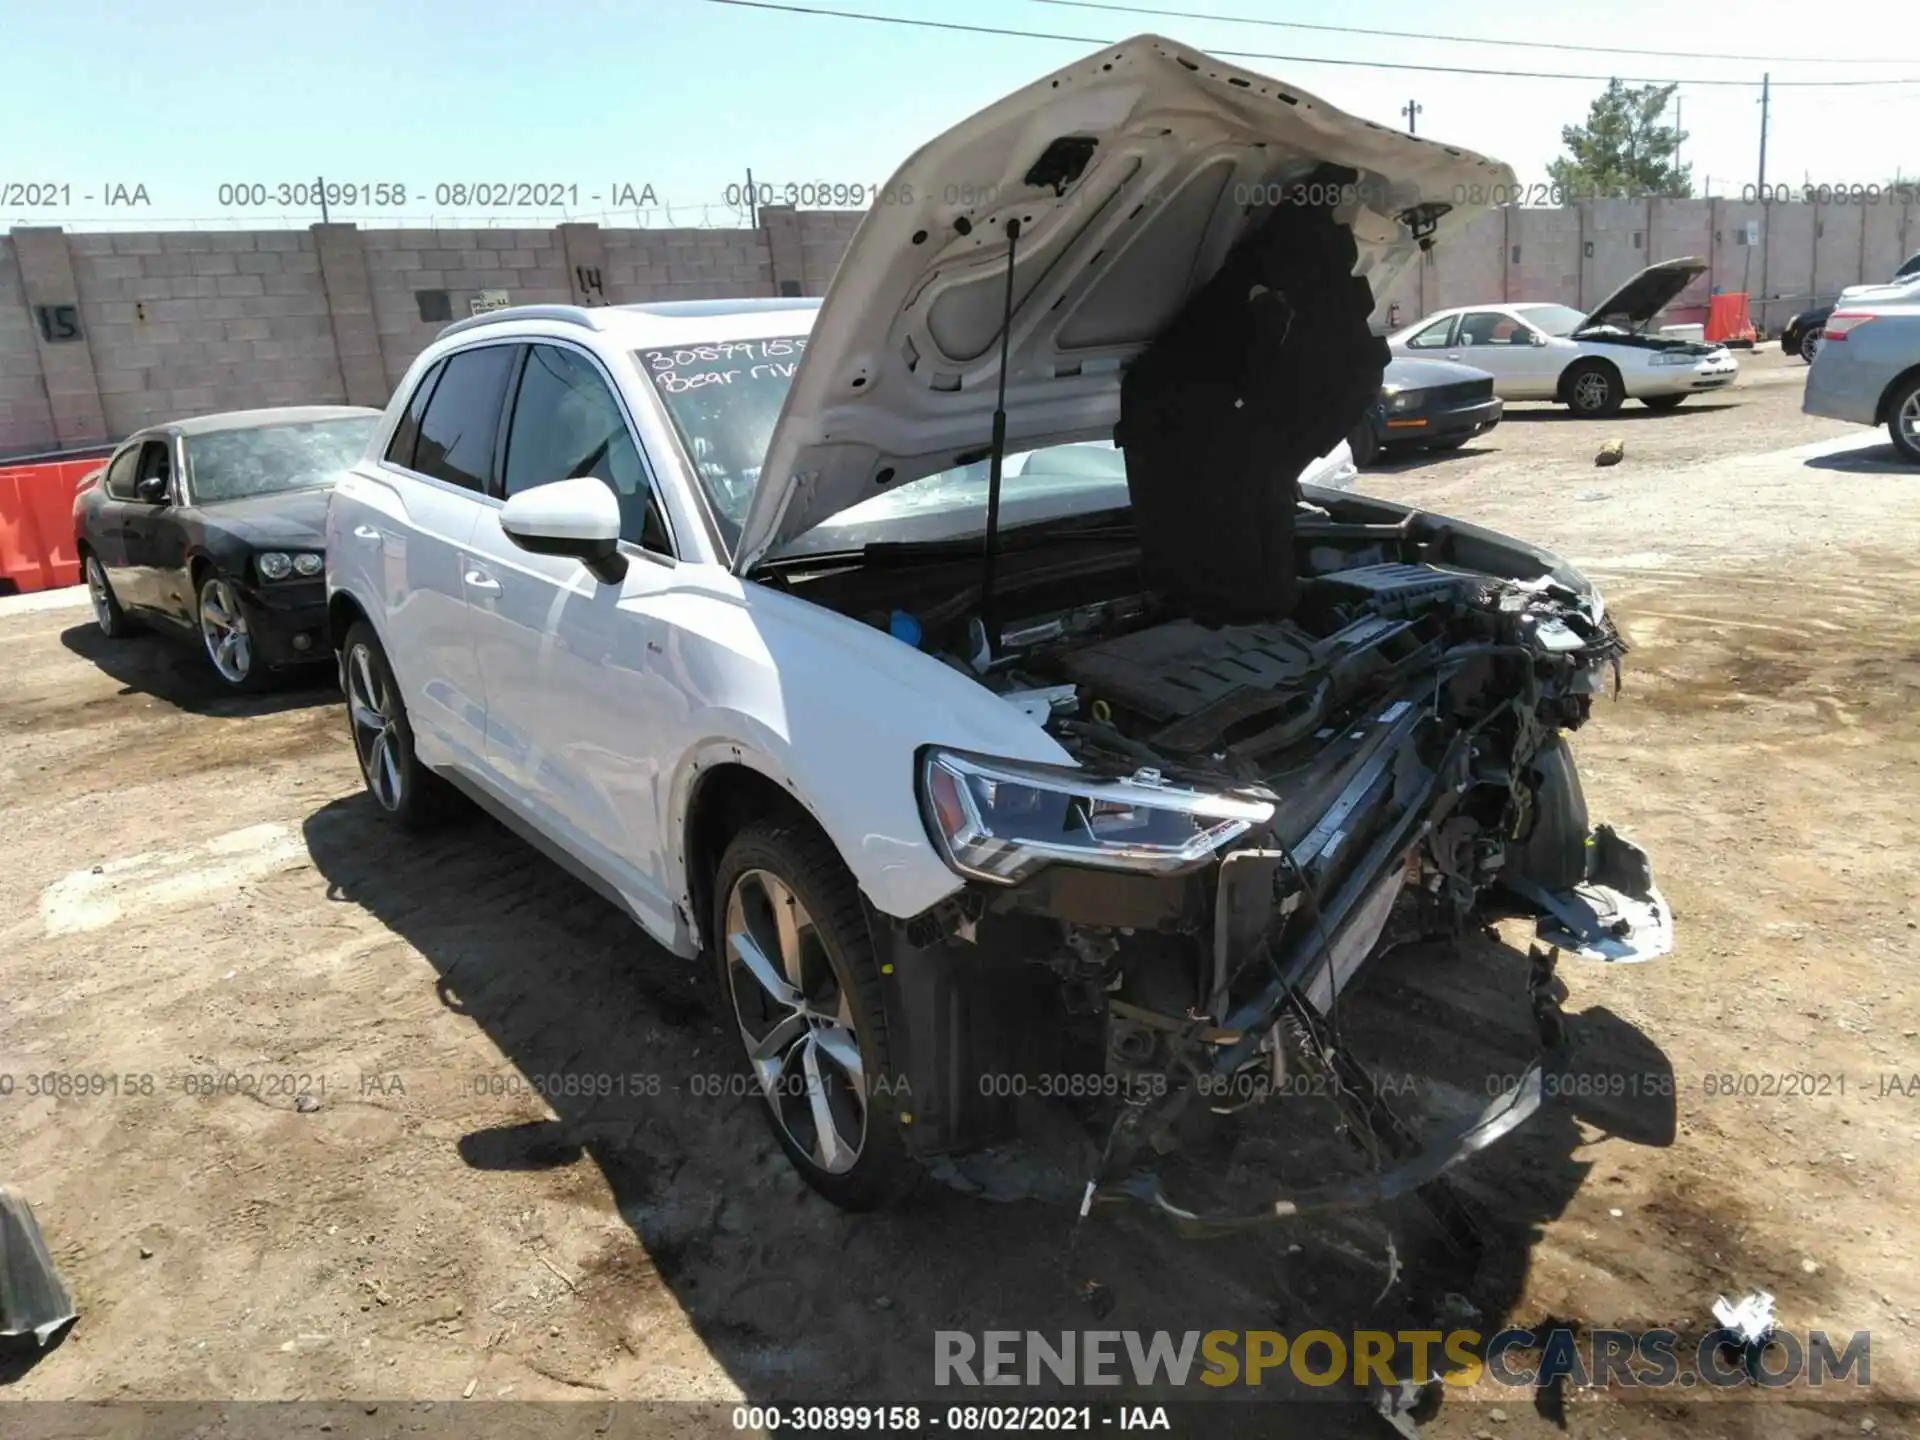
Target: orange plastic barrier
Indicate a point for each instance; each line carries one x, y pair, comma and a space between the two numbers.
36, 524
1727, 319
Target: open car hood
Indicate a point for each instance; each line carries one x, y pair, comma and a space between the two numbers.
1132, 174
1644, 296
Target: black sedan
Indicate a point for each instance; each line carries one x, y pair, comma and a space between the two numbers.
1431, 404
216, 528
1802, 334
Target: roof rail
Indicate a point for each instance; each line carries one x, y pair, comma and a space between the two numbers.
567, 314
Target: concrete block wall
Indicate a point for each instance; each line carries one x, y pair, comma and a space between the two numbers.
178, 323
24, 408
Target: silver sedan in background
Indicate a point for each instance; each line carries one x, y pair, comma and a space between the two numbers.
1867, 370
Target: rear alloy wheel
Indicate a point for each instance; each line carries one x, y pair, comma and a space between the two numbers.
796, 968
107, 613
1903, 419
1592, 390
227, 633
1663, 402
383, 739
1810, 345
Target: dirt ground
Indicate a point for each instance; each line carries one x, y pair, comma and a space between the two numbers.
199, 904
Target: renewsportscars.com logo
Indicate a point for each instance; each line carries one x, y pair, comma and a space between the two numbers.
1632, 1359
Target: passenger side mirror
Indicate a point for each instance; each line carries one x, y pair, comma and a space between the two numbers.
580, 518
153, 489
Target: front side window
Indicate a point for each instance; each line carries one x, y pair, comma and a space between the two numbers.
723, 400
1490, 327
156, 463
120, 474
566, 425
1434, 337
462, 418
265, 459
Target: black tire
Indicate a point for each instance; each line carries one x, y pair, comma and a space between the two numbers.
840, 992
1364, 444
1903, 418
238, 669
1809, 344
1592, 389
1663, 402
107, 614
400, 786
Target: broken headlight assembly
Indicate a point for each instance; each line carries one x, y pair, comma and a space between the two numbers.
1002, 820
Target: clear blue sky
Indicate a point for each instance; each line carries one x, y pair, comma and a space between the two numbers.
684, 95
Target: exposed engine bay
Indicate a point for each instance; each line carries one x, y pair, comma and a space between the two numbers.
1288, 713
1404, 721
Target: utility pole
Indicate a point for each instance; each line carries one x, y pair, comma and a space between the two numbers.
753, 202
1766, 82
1412, 111
1679, 127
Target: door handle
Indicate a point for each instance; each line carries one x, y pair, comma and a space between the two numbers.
1453, 355
481, 581
367, 533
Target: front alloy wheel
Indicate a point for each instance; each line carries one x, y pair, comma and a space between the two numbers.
795, 964
1592, 390
225, 632
796, 1022
1809, 345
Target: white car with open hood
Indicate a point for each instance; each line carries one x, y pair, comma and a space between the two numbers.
1590, 362
955, 664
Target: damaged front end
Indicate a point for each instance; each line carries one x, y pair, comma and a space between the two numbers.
1180, 929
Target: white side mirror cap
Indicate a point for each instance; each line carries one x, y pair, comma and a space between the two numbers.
579, 517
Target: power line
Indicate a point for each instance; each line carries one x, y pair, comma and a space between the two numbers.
957, 26
1451, 39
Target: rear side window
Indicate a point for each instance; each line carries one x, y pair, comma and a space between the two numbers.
462, 418
407, 433
1434, 337
120, 473
566, 425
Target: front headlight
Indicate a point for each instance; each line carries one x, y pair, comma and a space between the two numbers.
1400, 399
279, 564
1002, 820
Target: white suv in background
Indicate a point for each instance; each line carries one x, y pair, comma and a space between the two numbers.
698, 596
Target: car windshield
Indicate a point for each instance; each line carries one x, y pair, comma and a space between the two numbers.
265, 459
1553, 319
724, 399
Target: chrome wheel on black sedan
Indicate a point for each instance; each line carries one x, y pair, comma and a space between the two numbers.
225, 633
106, 609
1809, 345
